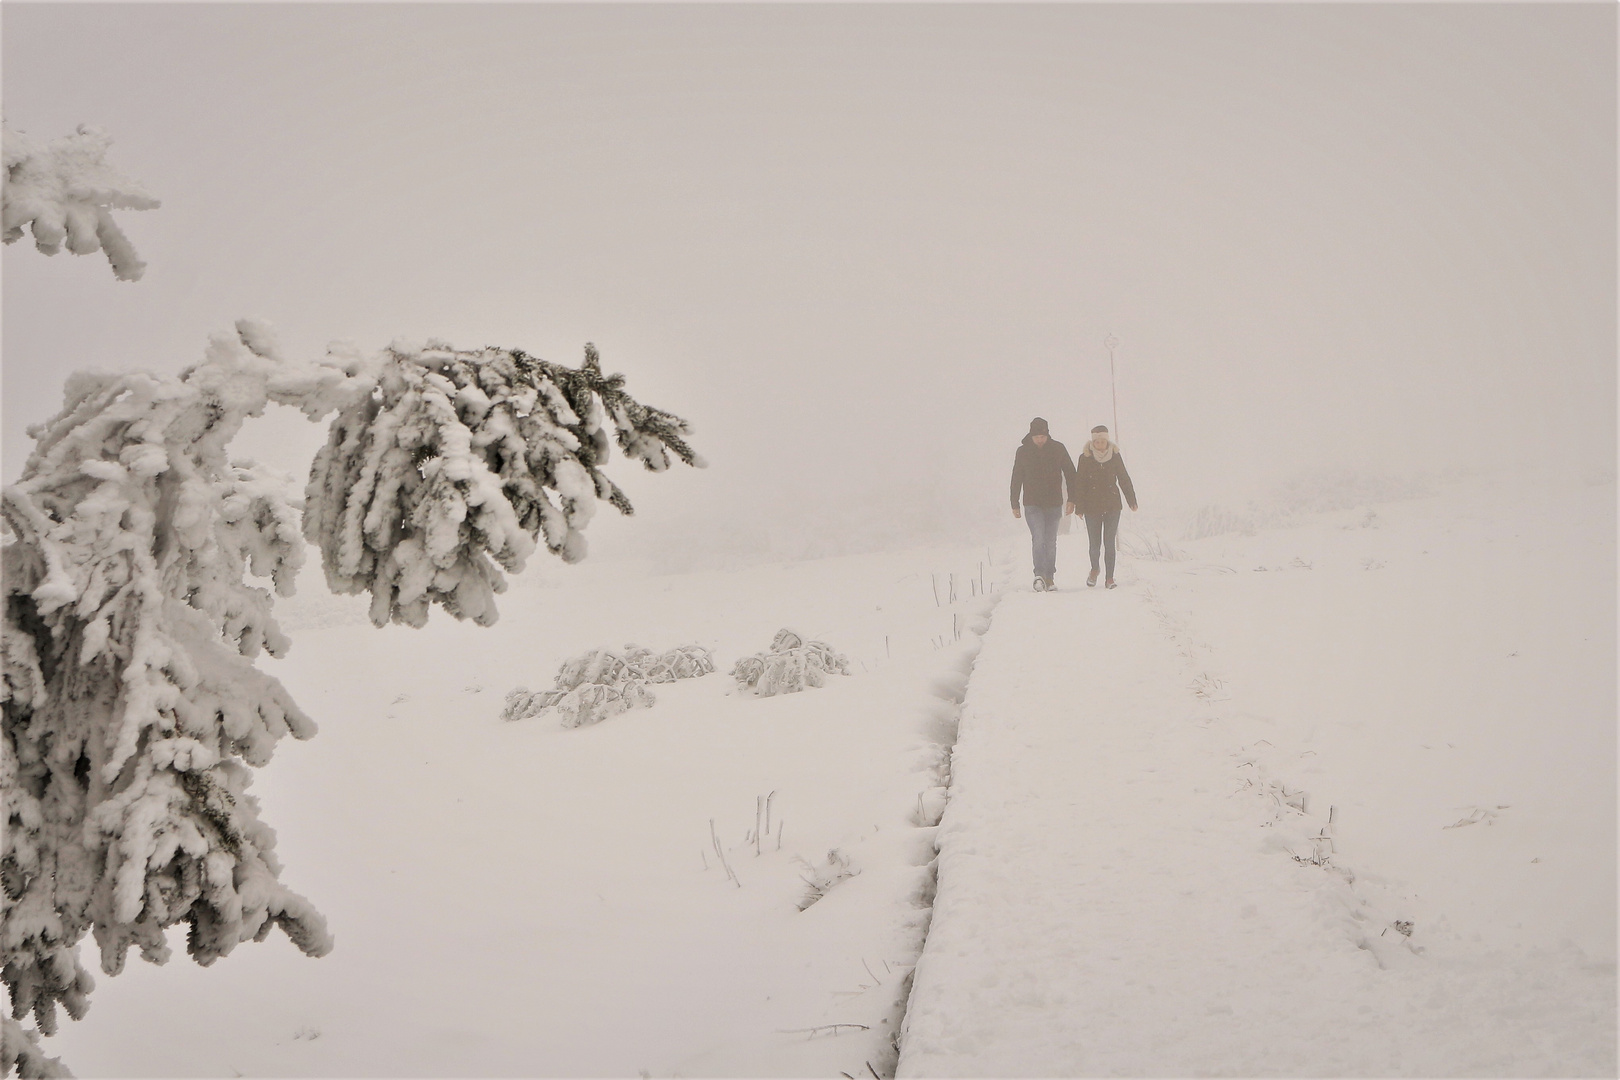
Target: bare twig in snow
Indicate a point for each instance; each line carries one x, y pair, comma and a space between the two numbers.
813, 1031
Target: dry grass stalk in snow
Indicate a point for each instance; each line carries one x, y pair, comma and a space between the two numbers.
820, 880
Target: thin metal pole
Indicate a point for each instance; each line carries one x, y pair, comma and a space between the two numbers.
1111, 341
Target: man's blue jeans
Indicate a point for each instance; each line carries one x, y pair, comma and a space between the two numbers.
1043, 523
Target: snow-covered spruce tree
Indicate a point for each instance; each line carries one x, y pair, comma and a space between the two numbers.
65, 191
131, 712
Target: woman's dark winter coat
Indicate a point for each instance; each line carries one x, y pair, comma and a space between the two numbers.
1100, 483
1041, 471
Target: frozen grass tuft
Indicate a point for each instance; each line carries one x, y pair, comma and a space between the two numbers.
819, 880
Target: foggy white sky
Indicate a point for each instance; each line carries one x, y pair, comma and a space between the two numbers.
862, 245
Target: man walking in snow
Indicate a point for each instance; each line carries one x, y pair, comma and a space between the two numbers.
1102, 476
1041, 470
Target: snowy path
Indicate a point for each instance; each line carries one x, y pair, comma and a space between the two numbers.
1111, 901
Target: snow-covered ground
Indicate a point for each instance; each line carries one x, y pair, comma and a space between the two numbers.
513, 898
1120, 888
1335, 799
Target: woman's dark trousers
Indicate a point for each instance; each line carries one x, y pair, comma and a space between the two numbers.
1102, 528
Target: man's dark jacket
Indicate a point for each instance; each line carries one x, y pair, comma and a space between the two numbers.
1041, 471
1100, 483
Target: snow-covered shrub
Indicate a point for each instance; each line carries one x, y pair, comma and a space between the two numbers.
635, 664
595, 702
601, 683
681, 662
131, 711
590, 688
522, 703
65, 191
599, 666
790, 665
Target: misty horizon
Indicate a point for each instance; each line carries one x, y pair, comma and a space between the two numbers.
859, 247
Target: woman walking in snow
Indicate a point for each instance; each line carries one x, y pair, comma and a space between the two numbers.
1102, 475
1041, 470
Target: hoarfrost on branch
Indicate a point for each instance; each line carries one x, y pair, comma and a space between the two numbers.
64, 192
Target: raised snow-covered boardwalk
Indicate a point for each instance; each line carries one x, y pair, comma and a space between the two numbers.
1113, 901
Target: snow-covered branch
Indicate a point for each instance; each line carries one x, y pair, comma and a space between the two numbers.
459, 462
132, 707
65, 191
131, 710
21, 1055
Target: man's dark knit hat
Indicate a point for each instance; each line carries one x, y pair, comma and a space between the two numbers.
1037, 426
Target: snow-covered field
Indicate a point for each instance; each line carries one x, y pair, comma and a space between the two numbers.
1128, 881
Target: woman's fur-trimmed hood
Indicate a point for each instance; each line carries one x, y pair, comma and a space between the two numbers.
1113, 448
